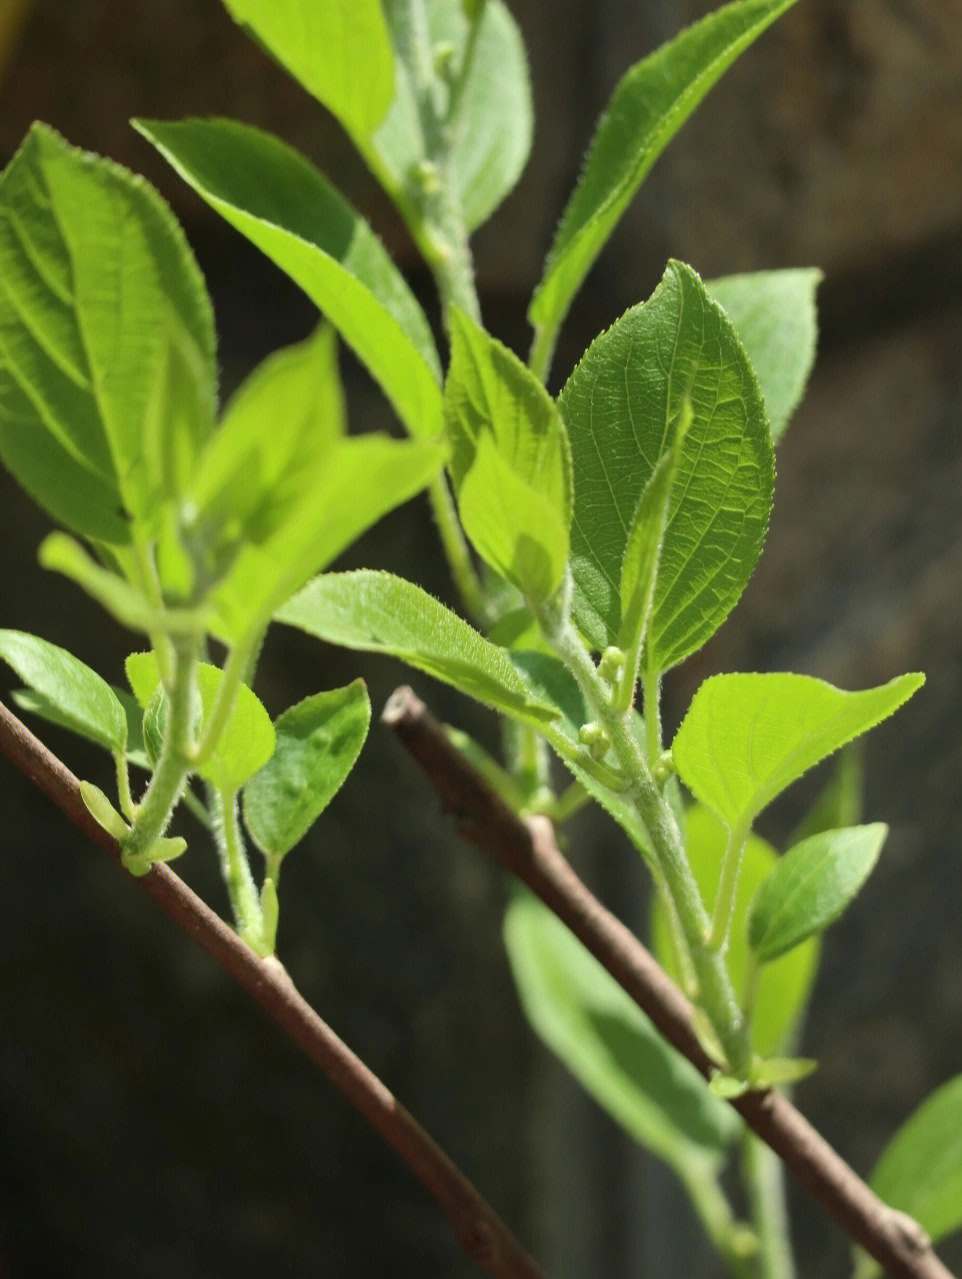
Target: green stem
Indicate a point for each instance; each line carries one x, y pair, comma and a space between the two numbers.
717, 937
568, 803
542, 352
237, 669
457, 553
149, 584
455, 113
715, 992
762, 1172
127, 806
652, 707
733, 1239
241, 889
173, 766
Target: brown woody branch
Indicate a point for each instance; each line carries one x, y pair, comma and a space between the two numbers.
528, 850
482, 1235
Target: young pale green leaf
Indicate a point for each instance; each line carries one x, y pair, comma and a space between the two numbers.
280, 202
647, 109
265, 458
513, 527
143, 676
746, 738
340, 51
619, 404
811, 886
639, 568
318, 742
774, 313
920, 1171
496, 121
784, 986
62, 554
360, 480
107, 375
379, 613
67, 687
610, 1046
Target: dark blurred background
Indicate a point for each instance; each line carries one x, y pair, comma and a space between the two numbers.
152, 1121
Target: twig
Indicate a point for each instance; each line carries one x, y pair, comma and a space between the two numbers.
482, 1235
528, 850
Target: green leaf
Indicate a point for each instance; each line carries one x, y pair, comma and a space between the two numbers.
774, 314
639, 568
648, 107
811, 886
268, 453
36, 704
513, 527
610, 1046
107, 366
340, 51
83, 701
840, 801
103, 812
747, 737
784, 986
920, 1171
318, 742
362, 479
510, 461
619, 405
379, 613
143, 676
280, 202
497, 120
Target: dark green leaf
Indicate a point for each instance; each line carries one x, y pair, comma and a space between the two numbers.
810, 887
647, 109
920, 1171
378, 613
339, 50
747, 737
318, 742
276, 198
610, 1046
620, 403
785, 985
774, 313
67, 688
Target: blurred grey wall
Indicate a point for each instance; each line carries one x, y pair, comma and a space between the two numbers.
152, 1122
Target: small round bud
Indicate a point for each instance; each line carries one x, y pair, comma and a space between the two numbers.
444, 55
610, 666
664, 766
424, 175
594, 737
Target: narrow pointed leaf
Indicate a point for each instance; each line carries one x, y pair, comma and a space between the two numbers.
920, 1171
85, 702
747, 737
785, 985
811, 886
497, 120
318, 742
107, 369
379, 613
283, 205
619, 405
340, 51
610, 1046
362, 478
647, 109
774, 313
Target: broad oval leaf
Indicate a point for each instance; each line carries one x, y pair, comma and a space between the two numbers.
379, 613
284, 206
318, 742
610, 1046
811, 886
920, 1171
107, 365
648, 107
619, 404
70, 692
784, 986
747, 737
361, 479
497, 121
774, 314
340, 51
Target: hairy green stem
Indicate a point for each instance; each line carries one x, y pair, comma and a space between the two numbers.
149, 583
715, 993
235, 868
237, 669
651, 682
127, 806
173, 766
542, 352
763, 1176
717, 937
457, 552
